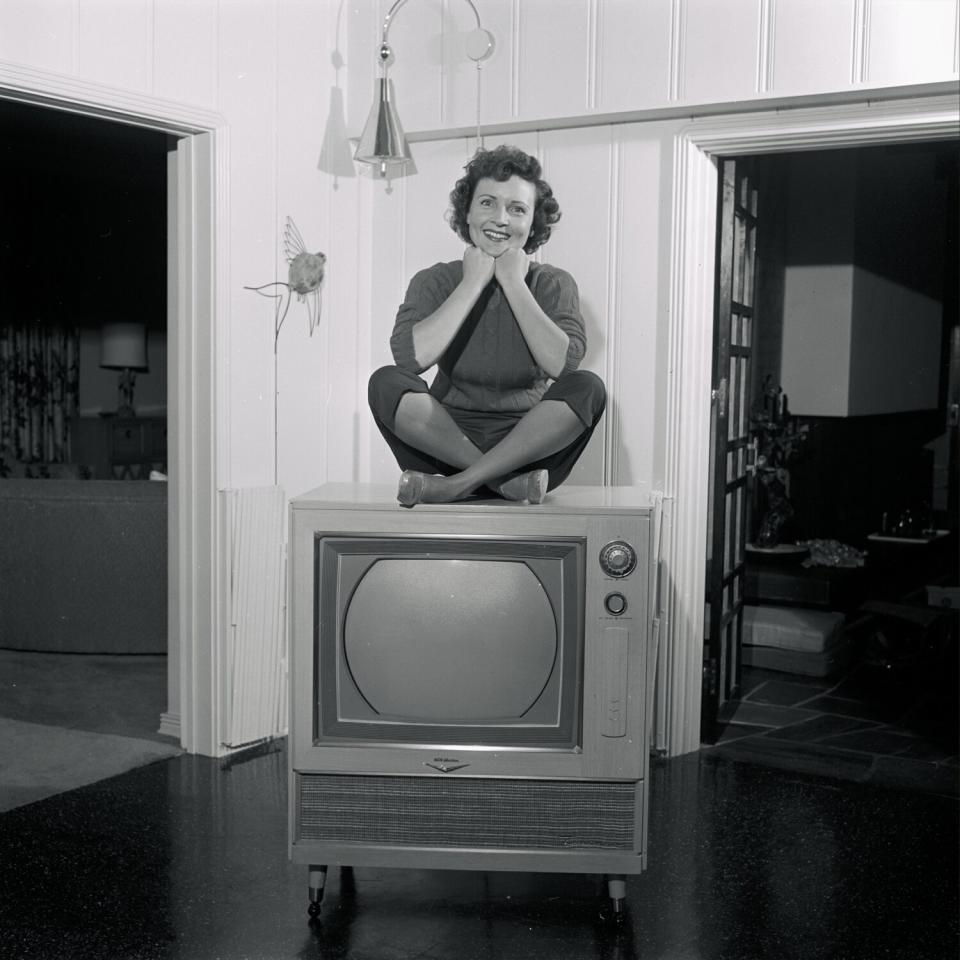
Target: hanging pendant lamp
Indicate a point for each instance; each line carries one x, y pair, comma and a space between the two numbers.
383, 143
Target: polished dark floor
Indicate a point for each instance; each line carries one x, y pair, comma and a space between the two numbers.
186, 859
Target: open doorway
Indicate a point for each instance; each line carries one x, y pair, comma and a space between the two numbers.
84, 251
83, 259
198, 187
859, 284
849, 398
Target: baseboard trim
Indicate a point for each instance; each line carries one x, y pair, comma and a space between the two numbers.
170, 725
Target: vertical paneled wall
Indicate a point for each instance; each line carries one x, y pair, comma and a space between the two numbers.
163, 48
569, 58
317, 375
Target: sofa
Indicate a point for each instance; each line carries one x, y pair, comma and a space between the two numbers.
83, 565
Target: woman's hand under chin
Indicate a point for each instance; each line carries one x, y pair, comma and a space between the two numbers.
477, 267
511, 267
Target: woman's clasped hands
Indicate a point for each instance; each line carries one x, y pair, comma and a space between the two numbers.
479, 268
511, 267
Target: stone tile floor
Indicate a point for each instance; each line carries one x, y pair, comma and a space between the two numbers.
868, 725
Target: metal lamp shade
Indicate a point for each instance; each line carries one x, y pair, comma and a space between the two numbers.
383, 142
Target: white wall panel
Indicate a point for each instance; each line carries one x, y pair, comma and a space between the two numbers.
527, 141
42, 33
498, 73
580, 166
388, 277
813, 45
458, 73
116, 43
554, 54
416, 37
911, 41
386, 282
636, 353
344, 336
358, 45
186, 52
247, 85
346, 333
310, 380
720, 50
427, 235
633, 54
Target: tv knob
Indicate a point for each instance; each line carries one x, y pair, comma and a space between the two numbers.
618, 558
616, 603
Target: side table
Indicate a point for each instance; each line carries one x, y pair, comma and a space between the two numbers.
136, 445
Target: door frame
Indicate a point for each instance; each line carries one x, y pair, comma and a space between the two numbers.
690, 349
196, 410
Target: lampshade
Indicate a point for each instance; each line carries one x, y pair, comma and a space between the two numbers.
123, 346
383, 141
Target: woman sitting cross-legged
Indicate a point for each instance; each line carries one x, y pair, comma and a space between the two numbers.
508, 411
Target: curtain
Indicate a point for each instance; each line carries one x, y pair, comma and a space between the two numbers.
39, 392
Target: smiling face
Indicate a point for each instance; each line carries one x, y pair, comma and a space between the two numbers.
501, 214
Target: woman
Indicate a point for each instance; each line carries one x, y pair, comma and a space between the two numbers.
507, 410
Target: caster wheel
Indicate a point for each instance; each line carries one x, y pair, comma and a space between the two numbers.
613, 918
613, 914
313, 910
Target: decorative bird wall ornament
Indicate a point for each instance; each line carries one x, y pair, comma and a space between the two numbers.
305, 279
305, 275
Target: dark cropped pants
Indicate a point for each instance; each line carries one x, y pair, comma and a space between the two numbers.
581, 390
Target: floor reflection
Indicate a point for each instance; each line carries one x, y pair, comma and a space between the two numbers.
187, 860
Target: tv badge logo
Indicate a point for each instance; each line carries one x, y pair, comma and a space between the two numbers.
445, 764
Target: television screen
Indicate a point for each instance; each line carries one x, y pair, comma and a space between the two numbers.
433, 640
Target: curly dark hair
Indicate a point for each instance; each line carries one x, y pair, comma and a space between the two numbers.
501, 164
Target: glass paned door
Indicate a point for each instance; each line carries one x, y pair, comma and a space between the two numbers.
732, 345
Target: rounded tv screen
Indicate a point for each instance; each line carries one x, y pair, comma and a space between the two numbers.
443, 640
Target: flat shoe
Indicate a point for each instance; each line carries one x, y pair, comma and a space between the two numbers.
410, 489
526, 487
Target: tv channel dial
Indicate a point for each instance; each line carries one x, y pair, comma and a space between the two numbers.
618, 558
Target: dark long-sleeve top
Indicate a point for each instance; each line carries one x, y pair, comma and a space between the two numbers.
488, 365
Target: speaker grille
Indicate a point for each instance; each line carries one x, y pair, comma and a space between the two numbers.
467, 812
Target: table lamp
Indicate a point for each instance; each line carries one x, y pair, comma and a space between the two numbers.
123, 347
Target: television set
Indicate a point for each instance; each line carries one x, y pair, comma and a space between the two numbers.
470, 682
